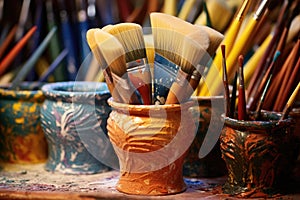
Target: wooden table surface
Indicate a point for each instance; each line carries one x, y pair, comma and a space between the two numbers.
33, 182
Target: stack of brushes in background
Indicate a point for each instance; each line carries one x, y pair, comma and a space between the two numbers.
267, 78
179, 50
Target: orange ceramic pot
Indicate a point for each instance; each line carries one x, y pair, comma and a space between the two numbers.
151, 143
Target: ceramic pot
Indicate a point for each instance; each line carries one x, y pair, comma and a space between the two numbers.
212, 164
74, 112
258, 155
295, 115
22, 140
151, 142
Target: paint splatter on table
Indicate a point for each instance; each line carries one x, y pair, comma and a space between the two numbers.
33, 182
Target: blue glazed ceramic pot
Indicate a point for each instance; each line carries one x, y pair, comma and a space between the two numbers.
22, 140
73, 115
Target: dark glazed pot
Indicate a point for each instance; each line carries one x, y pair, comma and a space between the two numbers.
212, 165
258, 155
22, 140
72, 113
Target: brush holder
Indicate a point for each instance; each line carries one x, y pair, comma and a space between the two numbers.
68, 118
22, 140
151, 142
212, 164
295, 115
258, 155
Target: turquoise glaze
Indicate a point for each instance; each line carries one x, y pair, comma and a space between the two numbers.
73, 115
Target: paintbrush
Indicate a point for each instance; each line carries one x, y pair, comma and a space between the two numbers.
267, 57
53, 66
228, 41
114, 55
252, 101
16, 49
7, 41
32, 60
225, 82
130, 35
242, 113
139, 12
233, 96
90, 35
169, 33
289, 105
185, 9
241, 43
208, 19
220, 14
263, 88
252, 63
293, 79
169, 7
193, 50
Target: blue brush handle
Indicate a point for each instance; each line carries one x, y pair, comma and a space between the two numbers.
54, 65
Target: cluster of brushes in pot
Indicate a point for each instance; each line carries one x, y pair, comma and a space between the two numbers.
181, 51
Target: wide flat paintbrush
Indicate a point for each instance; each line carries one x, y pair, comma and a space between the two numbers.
90, 35
130, 35
114, 55
192, 53
169, 35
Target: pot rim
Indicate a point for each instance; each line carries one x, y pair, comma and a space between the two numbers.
141, 107
275, 122
54, 90
25, 94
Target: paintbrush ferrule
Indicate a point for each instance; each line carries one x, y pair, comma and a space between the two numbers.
182, 77
261, 9
196, 75
140, 63
125, 89
121, 81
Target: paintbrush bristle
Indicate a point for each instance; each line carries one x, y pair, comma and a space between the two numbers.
130, 35
215, 38
168, 34
113, 52
194, 48
90, 36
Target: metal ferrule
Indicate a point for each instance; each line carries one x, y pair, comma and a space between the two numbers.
261, 9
